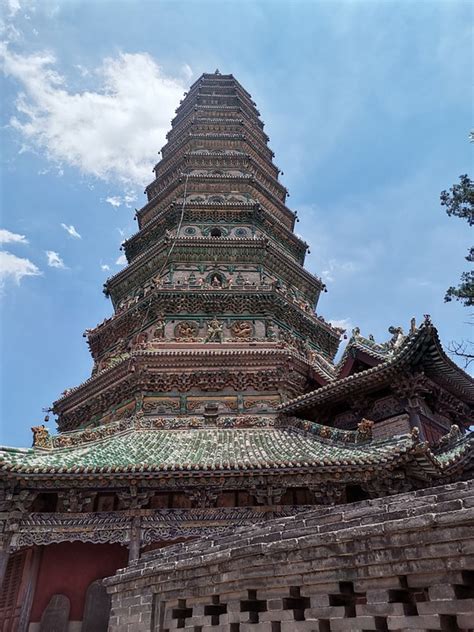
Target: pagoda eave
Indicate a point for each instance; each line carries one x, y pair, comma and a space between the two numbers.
215, 214
141, 371
174, 191
196, 249
268, 303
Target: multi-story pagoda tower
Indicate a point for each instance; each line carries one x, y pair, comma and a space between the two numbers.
214, 400
214, 313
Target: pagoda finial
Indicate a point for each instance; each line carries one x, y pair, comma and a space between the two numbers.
217, 71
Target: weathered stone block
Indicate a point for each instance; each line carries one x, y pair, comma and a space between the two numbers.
430, 622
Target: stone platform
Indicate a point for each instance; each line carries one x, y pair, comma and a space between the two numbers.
404, 562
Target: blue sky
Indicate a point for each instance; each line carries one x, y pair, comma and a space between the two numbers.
368, 108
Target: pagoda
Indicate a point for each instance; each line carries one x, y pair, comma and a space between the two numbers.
214, 314
214, 398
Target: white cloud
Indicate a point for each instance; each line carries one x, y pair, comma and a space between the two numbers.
15, 268
13, 7
7, 237
129, 198
11, 266
83, 71
335, 268
116, 200
9, 32
187, 72
121, 261
112, 133
54, 260
104, 267
71, 230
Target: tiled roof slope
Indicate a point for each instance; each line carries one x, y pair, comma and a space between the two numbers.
225, 449
421, 349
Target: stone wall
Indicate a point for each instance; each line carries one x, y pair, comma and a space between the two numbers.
404, 562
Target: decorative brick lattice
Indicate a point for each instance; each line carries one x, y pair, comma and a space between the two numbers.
215, 610
253, 606
181, 613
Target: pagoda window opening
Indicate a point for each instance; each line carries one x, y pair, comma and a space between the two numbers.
216, 279
355, 493
216, 232
45, 502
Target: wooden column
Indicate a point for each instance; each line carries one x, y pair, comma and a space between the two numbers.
414, 409
135, 539
4, 554
30, 588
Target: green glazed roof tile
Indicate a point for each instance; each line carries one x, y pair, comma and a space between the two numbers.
204, 449
139, 445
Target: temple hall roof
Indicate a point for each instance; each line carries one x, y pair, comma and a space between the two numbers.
148, 446
420, 350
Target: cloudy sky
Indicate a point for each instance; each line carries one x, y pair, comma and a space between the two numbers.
367, 105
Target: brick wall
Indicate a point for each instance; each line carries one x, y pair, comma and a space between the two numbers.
405, 562
394, 426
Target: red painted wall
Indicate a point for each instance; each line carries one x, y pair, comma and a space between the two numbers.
68, 568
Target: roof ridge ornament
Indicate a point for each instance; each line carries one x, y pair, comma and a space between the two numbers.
451, 438
397, 338
41, 437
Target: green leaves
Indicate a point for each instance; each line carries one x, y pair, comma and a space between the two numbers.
459, 202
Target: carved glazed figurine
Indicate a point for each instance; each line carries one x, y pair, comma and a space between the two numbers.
216, 282
41, 438
242, 329
215, 331
364, 429
271, 334
186, 330
159, 331
397, 337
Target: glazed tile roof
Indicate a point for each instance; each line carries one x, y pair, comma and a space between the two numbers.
421, 348
223, 449
201, 449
